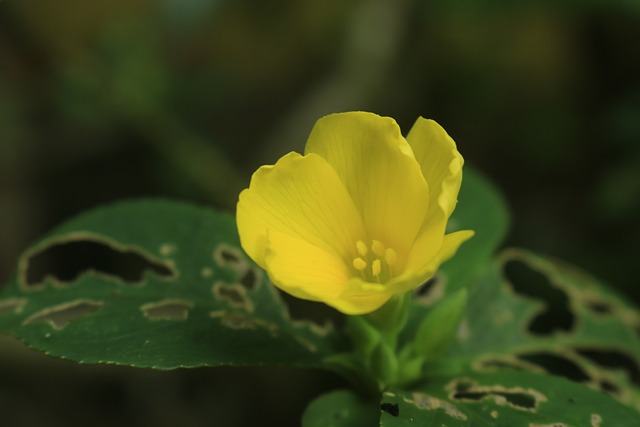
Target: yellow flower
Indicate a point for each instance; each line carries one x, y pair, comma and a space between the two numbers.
360, 217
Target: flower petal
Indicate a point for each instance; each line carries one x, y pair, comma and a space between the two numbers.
424, 261
379, 171
302, 197
311, 273
441, 164
364, 297
304, 270
426, 245
361, 297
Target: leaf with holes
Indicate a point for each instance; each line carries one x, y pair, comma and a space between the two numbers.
154, 284
530, 313
503, 399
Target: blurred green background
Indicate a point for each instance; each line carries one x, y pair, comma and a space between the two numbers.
105, 100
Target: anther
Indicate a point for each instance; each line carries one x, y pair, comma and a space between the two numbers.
376, 268
359, 264
362, 248
390, 256
378, 248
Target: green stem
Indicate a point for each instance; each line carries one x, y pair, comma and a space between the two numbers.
375, 342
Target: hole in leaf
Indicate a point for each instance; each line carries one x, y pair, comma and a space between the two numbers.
230, 256
425, 402
520, 400
234, 258
309, 312
61, 315
613, 360
12, 305
517, 398
557, 365
251, 279
167, 310
233, 294
500, 364
609, 387
391, 408
431, 291
599, 307
243, 321
596, 419
506, 362
66, 261
428, 286
526, 281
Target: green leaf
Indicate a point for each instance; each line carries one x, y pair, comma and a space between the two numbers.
159, 284
541, 343
341, 408
535, 314
438, 329
480, 208
503, 399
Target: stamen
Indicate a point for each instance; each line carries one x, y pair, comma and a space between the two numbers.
390, 256
378, 248
375, 262
362, 248
376, 268
359, 264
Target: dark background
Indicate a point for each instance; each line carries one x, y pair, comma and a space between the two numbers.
105, 100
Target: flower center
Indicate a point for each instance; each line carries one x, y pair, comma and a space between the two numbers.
374, 262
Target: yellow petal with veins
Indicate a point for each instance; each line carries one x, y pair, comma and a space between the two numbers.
441, 164
302, 197
305, 270
378, 168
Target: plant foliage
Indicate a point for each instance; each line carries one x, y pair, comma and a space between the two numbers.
164, 285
